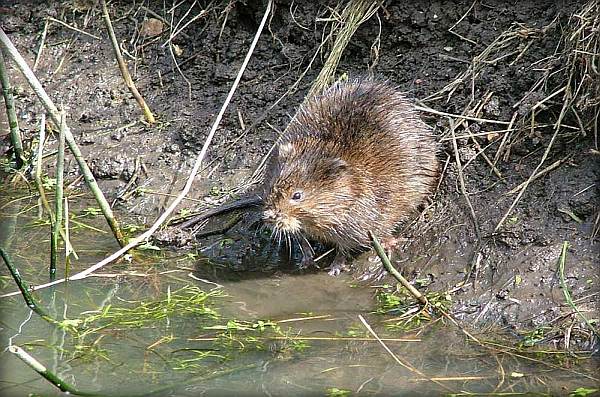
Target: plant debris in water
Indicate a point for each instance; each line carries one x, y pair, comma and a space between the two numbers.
226, 336
406, 311
187, 301
532, 180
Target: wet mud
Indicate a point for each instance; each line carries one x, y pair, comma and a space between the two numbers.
420, 47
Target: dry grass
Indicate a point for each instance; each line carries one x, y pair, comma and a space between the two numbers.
566, 96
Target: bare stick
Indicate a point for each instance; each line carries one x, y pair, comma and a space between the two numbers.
38, 54
459, 21
505, 139
44, 372
537, 168
9, 102
123, 67
461, 116
68, 247
461, 179
388, 266
144, 236
12, 52
481, 151
396, 358
37, 176
58, 196
543, 172
174, 34
172, 53
74, 28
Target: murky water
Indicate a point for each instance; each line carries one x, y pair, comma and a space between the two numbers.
310, 352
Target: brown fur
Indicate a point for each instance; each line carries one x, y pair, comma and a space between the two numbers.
361, 157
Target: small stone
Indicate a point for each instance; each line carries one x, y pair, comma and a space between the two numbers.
117, 135
172, 148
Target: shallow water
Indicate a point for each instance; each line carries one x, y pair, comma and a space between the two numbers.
123, 360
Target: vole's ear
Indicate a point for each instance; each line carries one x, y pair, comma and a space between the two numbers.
334, 167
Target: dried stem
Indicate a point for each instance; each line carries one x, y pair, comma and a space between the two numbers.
355, 13
397, 359
566, 100
9, 102
543, 172
37, 174
388, 266
68, 248
58, 196
144, 236
38, 54
35, 84
461, 179
73, 28
123, 67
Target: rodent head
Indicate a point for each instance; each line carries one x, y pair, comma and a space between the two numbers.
305, 189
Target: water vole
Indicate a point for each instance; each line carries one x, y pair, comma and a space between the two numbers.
355, 158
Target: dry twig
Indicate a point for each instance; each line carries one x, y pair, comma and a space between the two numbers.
123, 67
9, 102
164, 216
54, 114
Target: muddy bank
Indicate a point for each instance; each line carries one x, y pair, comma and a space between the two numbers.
421, 47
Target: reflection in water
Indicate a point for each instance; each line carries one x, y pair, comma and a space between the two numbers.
305, 351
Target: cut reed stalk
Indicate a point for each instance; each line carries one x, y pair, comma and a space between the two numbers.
35, 84
58, 197
13, 123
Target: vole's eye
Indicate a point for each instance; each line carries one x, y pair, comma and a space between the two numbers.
298, 195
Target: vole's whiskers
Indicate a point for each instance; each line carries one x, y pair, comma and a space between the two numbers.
289, 243
312, 250
295, 237
259, 230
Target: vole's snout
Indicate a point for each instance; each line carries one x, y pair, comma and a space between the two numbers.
281, 221
269, 215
